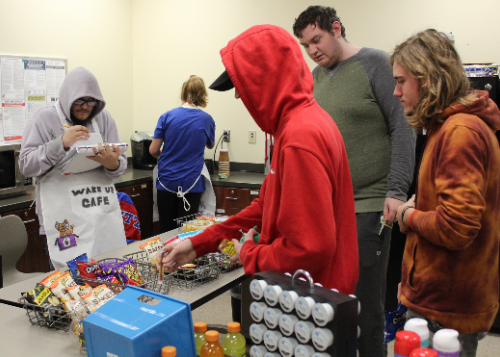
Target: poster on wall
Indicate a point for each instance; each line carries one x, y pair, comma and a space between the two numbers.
1, 109
56, 70
36, 86
13, 102
27, 84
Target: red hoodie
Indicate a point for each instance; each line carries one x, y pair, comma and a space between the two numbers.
305, 212
450, 265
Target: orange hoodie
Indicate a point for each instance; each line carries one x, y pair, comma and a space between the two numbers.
450, 264
305, 212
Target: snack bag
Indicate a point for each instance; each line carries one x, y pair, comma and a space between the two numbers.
150, 247
227, 247
98, 296
66, 279
110, 279
89, 270
394, 321
60, 291
73, 291
72, 263
47, 282
131, 273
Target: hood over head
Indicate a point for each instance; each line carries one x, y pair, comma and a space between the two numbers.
80, 82
483, 107
268, 70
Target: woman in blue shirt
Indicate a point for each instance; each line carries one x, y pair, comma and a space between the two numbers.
184, 133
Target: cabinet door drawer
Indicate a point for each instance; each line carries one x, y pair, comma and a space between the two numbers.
29, 217
238, 198
140, 193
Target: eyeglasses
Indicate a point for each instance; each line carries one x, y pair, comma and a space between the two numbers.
90, 103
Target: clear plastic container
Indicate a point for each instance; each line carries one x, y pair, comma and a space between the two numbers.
234, 343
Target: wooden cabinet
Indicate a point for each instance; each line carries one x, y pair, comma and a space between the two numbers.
34, 258
231, 200
142, 196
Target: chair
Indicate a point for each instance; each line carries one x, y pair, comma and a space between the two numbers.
13, 243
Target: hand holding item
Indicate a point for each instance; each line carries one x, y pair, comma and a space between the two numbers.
107, 156
175, 255
249, 236
403, 215
73, 134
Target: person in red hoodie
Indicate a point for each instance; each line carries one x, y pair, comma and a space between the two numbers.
305, 212
450, 264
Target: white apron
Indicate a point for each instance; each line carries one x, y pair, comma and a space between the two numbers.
207, 202
81, 213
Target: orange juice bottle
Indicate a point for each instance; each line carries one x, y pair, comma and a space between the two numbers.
168, 351
212, 348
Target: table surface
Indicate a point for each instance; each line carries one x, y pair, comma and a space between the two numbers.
18, 336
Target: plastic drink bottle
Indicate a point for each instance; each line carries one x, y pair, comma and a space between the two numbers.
423, 352
234, 343
419, 326
406, 342
199, 335
446, 343
212, 348
168, 351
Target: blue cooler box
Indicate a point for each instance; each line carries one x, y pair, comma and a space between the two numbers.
138, 323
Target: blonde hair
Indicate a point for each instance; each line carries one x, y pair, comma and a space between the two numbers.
194, 92
431, 58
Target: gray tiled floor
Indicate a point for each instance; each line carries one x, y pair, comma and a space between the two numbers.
218, 311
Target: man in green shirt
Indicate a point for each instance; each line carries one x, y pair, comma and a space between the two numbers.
355, 86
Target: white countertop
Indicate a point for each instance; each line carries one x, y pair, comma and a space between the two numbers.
18, 337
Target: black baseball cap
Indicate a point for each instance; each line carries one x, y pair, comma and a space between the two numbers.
222, 83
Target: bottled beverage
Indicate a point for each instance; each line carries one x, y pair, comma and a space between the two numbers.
406, 342
419, 326
423, 352
446, 343
199, 335
212, 348
234, 343
168, 351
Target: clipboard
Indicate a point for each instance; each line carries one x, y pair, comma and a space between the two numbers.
80, 163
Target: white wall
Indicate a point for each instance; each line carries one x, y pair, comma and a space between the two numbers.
174, 39
96, 34
143, 50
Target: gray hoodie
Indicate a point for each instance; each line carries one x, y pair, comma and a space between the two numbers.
42, 147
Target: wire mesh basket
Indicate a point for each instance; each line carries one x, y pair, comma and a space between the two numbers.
190, 276
201, 271
48, 316
224, 263
149, 272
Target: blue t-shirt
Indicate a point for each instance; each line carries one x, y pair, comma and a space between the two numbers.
185, 133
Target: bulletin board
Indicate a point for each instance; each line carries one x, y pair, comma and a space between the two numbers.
27, 84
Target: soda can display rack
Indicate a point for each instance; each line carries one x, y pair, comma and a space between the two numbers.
295, 317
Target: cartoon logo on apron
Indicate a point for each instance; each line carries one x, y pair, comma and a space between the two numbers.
67, 238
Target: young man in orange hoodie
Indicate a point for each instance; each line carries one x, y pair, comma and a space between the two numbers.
305, 212
450, 265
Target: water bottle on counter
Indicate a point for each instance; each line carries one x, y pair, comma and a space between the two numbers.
419, 326
445, 343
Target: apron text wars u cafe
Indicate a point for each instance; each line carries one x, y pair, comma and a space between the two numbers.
81, 213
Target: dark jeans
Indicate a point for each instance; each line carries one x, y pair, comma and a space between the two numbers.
171, 207
370, 291
468, 342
